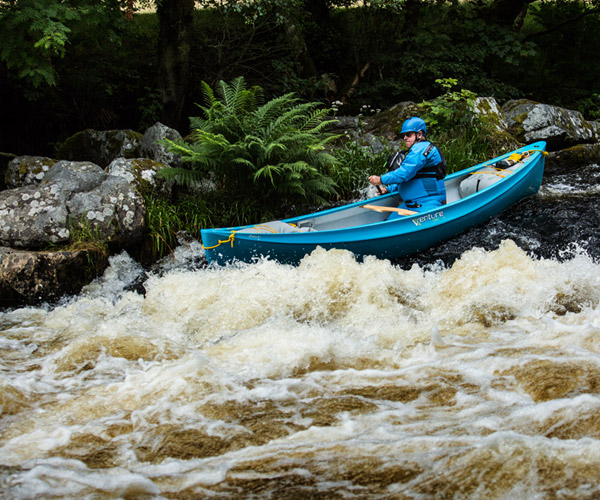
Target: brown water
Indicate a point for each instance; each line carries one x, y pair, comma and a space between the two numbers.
478, 378
332, 380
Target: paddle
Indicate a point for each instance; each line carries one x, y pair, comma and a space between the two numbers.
401, 211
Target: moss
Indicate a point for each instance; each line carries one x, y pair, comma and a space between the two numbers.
577, 156
100, 147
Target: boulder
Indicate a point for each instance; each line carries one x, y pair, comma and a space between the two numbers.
487, 109
152, 145
114, 212
75, 176
576, 156
530, 121
100, 146
74, 199
141, 172
33, 216
490, 113
387, 124
28, 277
26, 170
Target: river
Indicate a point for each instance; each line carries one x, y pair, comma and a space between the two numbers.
470, 371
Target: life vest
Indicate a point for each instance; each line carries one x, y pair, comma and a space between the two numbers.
437, 171
395, 160
433, 171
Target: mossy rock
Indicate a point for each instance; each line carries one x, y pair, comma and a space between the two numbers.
27, 170
388, 123
100, 147
576, 156
141, 172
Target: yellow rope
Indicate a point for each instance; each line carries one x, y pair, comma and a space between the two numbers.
230, 239
262, 227
516, 157
496, 172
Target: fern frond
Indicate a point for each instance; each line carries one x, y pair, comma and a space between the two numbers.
181, 175
208, 94
267, 171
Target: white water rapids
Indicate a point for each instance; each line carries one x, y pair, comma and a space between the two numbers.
333, 379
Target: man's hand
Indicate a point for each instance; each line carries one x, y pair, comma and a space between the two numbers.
375, 180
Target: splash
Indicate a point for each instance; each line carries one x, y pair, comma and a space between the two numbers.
353, 379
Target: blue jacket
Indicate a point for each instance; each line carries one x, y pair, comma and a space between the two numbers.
420, 190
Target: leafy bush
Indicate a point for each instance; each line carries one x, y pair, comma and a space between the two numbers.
462, 135
272, 152
355, 164
451, 109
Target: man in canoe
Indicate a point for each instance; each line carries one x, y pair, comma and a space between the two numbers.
419, 177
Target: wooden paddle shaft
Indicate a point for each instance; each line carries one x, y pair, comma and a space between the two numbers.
401, 211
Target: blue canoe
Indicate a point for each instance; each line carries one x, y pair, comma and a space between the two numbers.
473, 196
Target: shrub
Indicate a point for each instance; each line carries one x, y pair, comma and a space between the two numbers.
461, 134
272, 153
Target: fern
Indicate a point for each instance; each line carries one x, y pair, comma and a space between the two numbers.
272, 152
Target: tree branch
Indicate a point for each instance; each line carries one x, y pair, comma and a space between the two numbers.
562, 25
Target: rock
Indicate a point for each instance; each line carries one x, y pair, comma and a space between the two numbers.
345, 123
387, 124
26, 170
576, 156
75, 176
75, 200
152, 147
114, 212
487, 108
100, 147
33, 216
141, 172
28, 277
488, 111
530, 121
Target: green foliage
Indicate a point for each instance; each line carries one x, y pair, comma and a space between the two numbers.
35, 33
451, 109
271, 152
354, 165
83, 234
590, 107
465, 147
168, 220
150, 106
463, 135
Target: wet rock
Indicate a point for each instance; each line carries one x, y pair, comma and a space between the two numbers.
576, 156
142, 173
152, 145
530, 121
101, 147
27, 170
28, 277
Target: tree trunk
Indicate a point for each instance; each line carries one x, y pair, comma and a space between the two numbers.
176, 20
507, 12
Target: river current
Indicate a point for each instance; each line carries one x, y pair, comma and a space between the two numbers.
470, 371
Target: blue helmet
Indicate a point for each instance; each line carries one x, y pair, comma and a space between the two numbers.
414, 124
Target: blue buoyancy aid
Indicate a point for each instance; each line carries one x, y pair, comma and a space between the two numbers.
419, 178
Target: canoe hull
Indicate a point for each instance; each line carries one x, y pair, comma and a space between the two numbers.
383, 239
